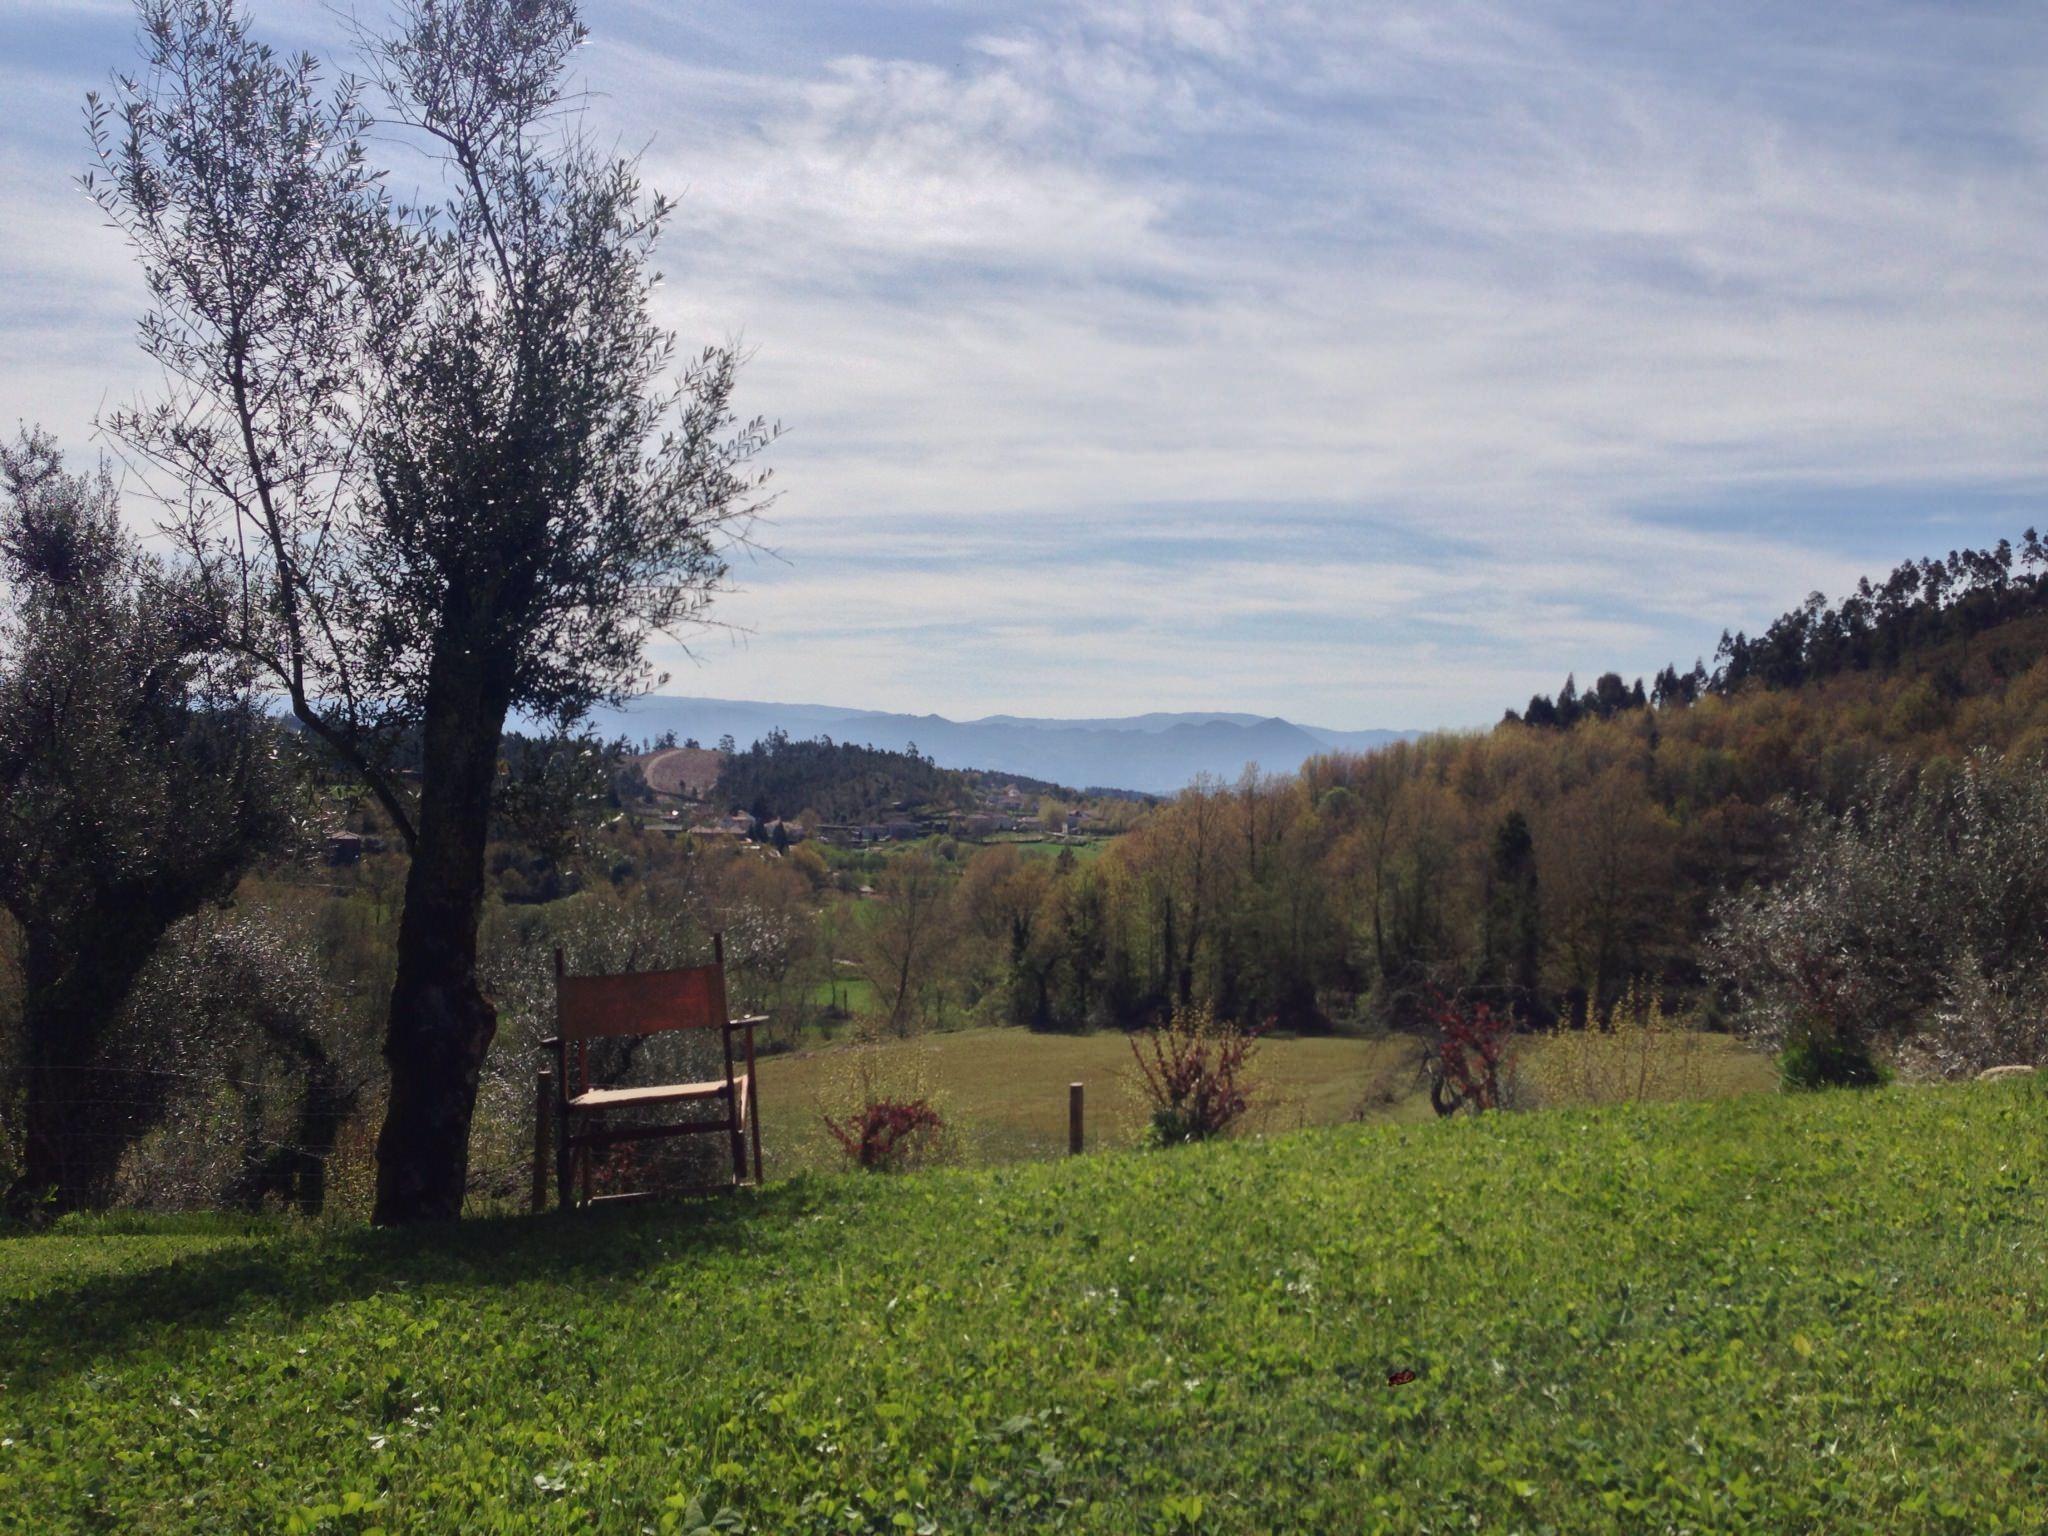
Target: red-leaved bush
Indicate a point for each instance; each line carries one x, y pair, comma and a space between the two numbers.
885, 1134
1470, 1047
1192, 1072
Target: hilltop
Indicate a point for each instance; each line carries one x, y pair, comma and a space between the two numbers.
1151, 753
864, 793
682, 773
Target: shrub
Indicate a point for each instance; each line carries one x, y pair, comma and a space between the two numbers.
1469, 1066
1910, 926
884, 1135
1817, 1059
1983, 1021
881, 1112
234, 1069
1640, 1054
1192, 1072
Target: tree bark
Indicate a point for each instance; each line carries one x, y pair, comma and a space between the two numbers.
80, 1113
70, 1153
441, 1024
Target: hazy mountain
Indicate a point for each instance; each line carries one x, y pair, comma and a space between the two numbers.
1158, 753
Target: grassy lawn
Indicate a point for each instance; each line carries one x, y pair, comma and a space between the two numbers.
1029, 844
854, 993
1005, 1090
1087, 850
1755, 1314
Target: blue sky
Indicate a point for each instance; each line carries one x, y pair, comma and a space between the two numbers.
1366, 364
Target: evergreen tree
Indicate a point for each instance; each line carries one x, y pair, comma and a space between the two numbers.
1568, 707
1511, 945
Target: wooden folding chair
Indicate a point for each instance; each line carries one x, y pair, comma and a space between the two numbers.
591, 1008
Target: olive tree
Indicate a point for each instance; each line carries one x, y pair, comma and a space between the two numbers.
136, 783
1915, 922
432, 447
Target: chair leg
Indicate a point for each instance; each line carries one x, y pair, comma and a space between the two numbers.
543, 1114
565, 1165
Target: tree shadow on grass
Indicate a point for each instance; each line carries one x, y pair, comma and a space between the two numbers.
288, 1273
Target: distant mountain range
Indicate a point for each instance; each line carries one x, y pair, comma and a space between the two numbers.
1155, 753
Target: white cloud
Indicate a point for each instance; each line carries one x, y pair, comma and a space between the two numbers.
1069, 306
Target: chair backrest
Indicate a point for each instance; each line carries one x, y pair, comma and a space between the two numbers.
643, 1003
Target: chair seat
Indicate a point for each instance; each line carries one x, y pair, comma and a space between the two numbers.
658, 1093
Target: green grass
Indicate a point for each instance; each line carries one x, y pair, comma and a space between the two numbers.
1038, 845
1005, 1090
854, 993
1824, 1313
1088, 848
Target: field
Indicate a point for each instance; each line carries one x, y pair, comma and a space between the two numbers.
1034, 845
683, 771
854, 993
1762, 1313
1086, 849
1005, 1090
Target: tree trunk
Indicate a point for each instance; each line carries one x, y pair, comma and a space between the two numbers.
441, 1024
81, 1113
1167, 951
71, 1152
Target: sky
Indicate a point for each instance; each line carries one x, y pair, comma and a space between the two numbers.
1366, 364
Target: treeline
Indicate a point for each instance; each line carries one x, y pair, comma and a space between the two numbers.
780, 776
1922, 605
1552, 869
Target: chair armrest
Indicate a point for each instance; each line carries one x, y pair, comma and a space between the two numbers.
748, 1022
552, 1043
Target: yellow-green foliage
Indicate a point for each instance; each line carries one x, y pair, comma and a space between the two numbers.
1640, 1055
1377, 873
867, 1071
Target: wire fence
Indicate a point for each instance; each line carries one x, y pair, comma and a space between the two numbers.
176, 1138
246, 1063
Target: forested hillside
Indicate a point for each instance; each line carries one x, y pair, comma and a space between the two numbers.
1923, 607
1575, 851
782, 776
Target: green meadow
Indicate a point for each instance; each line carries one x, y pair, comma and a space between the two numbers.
1004, 1091
1816, 1313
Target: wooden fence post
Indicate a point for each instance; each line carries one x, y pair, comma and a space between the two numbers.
543, 1114
1073, 1119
